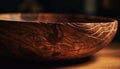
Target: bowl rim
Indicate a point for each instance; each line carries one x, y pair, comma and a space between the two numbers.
53, 18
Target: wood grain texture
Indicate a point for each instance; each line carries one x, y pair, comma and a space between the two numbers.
54, 37
107, 58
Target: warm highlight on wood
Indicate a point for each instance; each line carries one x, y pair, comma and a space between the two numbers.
54, 36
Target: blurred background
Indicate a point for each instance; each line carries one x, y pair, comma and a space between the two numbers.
106, 8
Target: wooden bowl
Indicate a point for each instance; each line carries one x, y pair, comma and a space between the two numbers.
49, 37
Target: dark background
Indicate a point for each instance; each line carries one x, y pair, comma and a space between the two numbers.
106, 8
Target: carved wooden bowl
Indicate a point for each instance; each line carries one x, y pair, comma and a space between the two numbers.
48, 37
